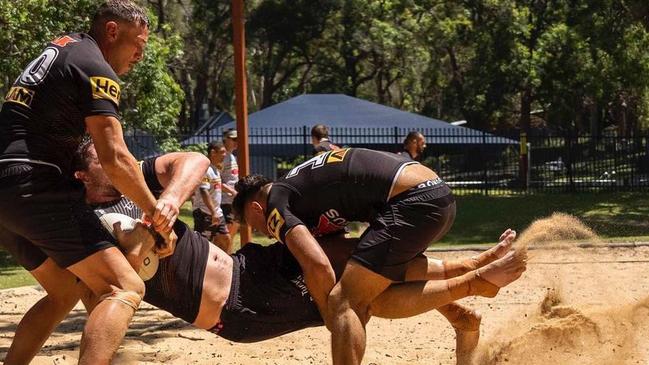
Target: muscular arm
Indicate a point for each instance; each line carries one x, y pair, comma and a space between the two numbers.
119, 164
318, 274
180, 173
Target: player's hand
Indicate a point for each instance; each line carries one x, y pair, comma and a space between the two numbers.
166, 213
166, 248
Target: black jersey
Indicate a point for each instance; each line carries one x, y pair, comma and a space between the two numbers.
43, 114
329, 190
177, 286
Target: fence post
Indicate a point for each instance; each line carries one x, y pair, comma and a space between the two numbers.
523, 166
484, 163
306, 156
571, 181
396, 138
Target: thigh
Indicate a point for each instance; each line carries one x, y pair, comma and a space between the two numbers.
55, 219
357, 288
21, 249
106, 270
403, 230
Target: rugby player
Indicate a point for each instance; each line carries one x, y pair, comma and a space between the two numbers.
70, 88
407, 205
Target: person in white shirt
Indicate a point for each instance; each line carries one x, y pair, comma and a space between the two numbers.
230, 176
206, 201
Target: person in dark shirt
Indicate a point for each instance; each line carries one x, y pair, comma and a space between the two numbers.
259, 292
414, 146
406, 204
320, 140
72, 88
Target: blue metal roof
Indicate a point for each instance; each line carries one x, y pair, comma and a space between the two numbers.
351, 121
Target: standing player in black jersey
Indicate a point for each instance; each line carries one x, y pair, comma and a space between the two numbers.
70, 89
407, 205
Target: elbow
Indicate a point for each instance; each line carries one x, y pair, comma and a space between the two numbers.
200, 161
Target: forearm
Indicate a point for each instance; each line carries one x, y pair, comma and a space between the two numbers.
180, 174
208, 201
228, 189
123, 171
319, 276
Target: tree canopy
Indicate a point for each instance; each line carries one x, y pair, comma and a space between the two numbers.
575, 66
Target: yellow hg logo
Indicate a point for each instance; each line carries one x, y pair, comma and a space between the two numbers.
20, 95
275, 223
105, 88
337, 155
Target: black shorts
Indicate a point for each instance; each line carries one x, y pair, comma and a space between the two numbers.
44, 214
203, 224
268, 297
228, 213
405, 227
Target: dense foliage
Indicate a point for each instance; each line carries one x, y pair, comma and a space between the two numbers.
554, 65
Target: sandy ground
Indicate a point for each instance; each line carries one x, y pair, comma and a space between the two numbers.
572, 306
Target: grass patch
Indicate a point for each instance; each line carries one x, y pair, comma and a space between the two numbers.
617, 217
481, 219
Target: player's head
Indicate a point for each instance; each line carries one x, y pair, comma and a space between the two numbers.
121, 29
249, 204
415, 142
230, 139
318, 132
89, 171
216, 152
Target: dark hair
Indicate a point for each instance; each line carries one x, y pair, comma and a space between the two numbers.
413, 135
117, 11
216, 145
320, 131
80, 159
247, 187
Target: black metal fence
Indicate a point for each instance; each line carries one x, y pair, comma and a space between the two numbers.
470, 161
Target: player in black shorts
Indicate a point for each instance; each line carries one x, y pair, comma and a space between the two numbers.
407, 205
258, 292
72, 88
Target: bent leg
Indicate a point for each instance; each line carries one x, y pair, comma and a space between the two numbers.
426, 268
43, 317
348, 311
107, 272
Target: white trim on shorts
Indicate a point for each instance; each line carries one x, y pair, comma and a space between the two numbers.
396, 176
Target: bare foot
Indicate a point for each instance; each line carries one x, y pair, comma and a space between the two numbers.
505, 270
454, 268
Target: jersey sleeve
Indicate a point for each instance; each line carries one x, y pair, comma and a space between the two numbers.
150, 176
207, 178
99, 88
280, 220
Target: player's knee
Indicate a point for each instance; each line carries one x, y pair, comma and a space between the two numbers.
126, 297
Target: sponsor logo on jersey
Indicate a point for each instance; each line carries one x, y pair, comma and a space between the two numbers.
64, 41
20, 95
105, 88
329, 222
274, 223
337, 155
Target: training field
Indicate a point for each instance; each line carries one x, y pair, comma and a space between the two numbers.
572, 306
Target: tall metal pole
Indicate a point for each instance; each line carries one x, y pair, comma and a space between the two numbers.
241, 100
